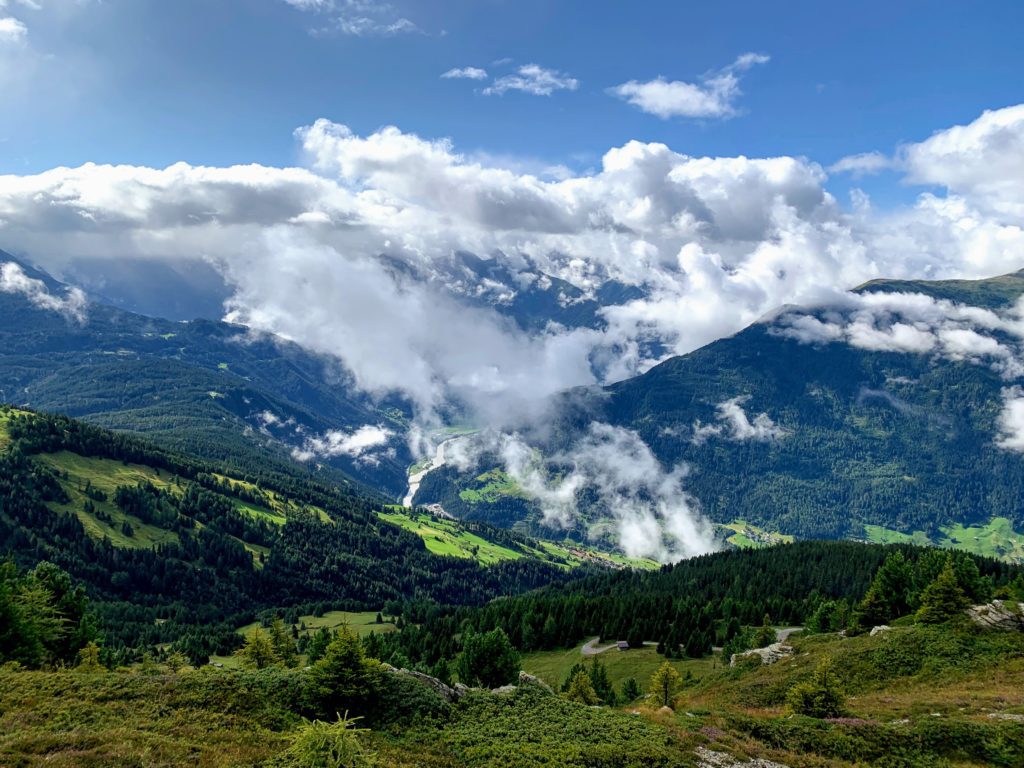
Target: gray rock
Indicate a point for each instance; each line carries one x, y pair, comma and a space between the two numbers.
446, 692
769, 654
707, 758
525, 678
1007, 716
879, 629
999, 614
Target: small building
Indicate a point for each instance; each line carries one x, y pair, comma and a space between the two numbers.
622, 645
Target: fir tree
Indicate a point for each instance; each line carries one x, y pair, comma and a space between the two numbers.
943, 599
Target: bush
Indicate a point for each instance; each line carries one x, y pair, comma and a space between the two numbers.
327, 745
821, 697
488, 659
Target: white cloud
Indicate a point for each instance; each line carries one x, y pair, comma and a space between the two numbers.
358, 18
734, 424
533, 79
361, 445
863, 164
1011, 420
982, 161
650, 512
714, 96
465, 73
12, 30
14, 280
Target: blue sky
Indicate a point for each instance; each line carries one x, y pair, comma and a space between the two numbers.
227, 81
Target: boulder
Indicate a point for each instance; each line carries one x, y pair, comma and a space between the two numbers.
880, 629
525, 678
999, 614
666, 711
446, 692
708, 758
504, 690
769, 654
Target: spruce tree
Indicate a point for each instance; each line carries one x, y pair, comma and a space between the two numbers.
943, 599
581, 689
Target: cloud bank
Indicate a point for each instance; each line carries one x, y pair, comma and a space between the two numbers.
357, 254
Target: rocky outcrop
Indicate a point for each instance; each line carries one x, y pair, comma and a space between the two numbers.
707, 758
999, 614
879, 629
769, 654
446, 692
451, 694
525, 678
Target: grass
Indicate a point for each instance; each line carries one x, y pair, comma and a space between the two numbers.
747, 536
494, 485
205, 718
640, 663
447, 537
106, 475
997, 538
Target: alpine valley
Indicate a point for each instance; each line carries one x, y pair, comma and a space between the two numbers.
393, 384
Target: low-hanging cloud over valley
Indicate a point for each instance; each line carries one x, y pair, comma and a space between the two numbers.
360, 255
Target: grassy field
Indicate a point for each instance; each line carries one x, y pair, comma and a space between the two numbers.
494, 485
447, 537
747, 536
106, 475
75, 472
360, 622
640, 663
994, 539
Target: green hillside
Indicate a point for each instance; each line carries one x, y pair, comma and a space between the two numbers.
921, 694
159, 535
200, 387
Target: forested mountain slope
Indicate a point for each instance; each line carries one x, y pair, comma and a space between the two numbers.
178, 549
850, 436
209, 388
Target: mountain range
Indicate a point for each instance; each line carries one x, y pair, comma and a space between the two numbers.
878, 414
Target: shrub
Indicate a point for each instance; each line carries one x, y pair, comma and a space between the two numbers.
327, 745
821, 697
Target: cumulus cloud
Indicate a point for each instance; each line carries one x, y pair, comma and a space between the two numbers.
361, 445
714, 96
14, 280
734, 424
982, 161
533, 79
357, 255
465, 73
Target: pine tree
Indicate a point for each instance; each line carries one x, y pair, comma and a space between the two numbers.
630, 690
602, 685
821, 697
665, 684
89, 659
888, 597
943, 599
283, 645
582, 690
258, 651
344, 679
